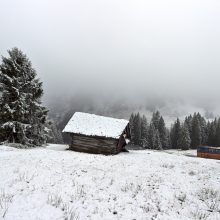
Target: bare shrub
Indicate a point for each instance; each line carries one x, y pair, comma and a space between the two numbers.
131, 187
78, 193
181, 197
73, 216
137, 189
57, 201
211, 198
54, 200
5, 200
25, 176
69, 212
151, 207
166, 165
199, 214
127, 187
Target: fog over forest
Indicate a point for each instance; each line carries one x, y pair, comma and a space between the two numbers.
115, 57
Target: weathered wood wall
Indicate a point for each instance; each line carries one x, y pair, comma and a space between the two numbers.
208, 155
208, 152
97, 145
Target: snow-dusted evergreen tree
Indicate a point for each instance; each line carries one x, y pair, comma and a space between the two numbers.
144, 132
22, 116
137, 129
188, 122
154, 138
218, 133
212, 133
53, 134
184, 140
196, 137
155, 119
169, 139
164, 134
175, 133
202, 123
158, 145
131, 123
151, 136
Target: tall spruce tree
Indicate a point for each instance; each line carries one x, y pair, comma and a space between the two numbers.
218, 133
196, 137
22, 116
158, 145
163, 133
175, 133
212, 133
184, 140
54, 135
155, 119
144, 132
202, 123
151, 136
188, 122
154, 138
136, 130
131, 122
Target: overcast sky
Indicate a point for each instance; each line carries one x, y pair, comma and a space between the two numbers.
167, 49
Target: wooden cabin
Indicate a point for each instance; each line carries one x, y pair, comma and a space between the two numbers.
97, 134
208, 152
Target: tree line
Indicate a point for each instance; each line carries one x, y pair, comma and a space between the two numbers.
189, 134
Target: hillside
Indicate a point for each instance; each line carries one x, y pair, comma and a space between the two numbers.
51, 183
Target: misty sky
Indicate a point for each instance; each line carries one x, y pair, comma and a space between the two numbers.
141, 49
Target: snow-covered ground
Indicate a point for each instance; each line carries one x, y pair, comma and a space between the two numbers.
51, 183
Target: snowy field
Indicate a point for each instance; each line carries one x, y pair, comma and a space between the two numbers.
56, 184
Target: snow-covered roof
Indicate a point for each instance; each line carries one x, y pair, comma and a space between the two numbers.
95, 125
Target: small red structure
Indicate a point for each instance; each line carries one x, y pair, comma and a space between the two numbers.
208, 152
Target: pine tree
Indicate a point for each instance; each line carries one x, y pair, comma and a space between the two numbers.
175, 133
203, 125
188, 122
131, 122
218, 133
151, 136
154, 138
155, 119
212, 133
22, 116
135, 127
158, 145
184, 140
208, 128
144, 132
169, 145
163, 133
54, 135
196, 138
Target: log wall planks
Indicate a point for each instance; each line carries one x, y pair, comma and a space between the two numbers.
208, 152
97, 145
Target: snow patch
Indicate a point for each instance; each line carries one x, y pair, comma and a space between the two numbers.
51, 183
